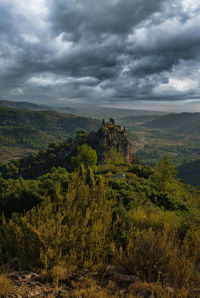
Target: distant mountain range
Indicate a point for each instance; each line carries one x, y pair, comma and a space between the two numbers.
83, 109
187, 123
22, 105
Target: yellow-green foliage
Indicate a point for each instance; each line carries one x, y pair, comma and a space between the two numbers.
5, 285
164, 173
62, 222
157, 219
157, 289
86, 156
58, 273
152, 255
87, 288
114, 157
74, 228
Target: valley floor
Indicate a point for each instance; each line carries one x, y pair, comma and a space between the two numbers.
8, 153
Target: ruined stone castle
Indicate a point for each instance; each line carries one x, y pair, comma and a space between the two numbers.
107, 137
110, 136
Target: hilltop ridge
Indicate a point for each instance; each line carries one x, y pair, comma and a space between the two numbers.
22, 105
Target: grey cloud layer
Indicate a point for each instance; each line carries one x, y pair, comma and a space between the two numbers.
100, 50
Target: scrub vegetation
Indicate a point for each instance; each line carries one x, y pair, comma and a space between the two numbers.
145, 224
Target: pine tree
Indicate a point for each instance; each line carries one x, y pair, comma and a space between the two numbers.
164, 173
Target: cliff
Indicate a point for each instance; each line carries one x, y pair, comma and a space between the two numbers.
110, 136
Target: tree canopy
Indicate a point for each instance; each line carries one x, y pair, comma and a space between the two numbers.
164, 173
85, 156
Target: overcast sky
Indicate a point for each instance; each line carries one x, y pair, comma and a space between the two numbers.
116, 52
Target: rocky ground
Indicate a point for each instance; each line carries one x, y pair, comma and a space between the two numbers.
83, 284
25, 284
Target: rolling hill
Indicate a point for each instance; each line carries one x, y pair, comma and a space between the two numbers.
36, 129
187, 123
22, 105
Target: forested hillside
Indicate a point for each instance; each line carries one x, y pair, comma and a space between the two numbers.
49, 121
100, 230
183, 122
24, 131
109, 136
36, 129
190, 171
176, 135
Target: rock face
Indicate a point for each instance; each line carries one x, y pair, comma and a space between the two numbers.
110, 136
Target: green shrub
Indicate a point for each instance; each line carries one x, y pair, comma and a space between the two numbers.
152, 255
86, 156
73, 228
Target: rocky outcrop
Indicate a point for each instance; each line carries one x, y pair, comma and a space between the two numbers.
110, 136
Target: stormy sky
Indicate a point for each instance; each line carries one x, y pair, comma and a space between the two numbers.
112, 52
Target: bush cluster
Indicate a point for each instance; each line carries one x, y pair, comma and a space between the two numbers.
142, 224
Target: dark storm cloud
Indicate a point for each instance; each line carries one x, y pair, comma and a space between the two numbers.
100, 50
98, 17
18, 58
99, 31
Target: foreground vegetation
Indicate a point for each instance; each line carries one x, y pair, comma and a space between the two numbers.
143, 223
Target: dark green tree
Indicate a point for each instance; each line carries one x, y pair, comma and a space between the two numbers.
86, 156
114, 157
164, 173
81, 133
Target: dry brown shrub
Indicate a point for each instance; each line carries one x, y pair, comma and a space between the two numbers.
156, 255
87, 287
5, 285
